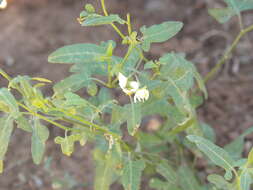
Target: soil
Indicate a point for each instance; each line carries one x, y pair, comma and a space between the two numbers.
30, 30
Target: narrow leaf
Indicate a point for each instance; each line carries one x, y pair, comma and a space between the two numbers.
104, 170
234, 7
40, 134
159, 33
23, 124
78, 53
6, 128
167, 172
218, 155
235, 148
132, 174
71, 84
188, 180
250, 158
74, 100
8, 99
161, 185
133, 118
97, 20
245, 180
222, 15
219, 181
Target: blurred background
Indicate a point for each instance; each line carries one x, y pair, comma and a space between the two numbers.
31, 29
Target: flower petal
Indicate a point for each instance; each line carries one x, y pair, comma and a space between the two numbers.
122, 80
141, 95
134, 86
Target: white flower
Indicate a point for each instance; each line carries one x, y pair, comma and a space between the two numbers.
3, 4
122, 80
133, 87
141, 95
127, 87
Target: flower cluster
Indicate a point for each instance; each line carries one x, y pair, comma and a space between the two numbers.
133, 87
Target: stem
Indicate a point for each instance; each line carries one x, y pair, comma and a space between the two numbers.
30, 112
5, 75
227, 53
100, 81
130, 49
87, 123
109, 68
129, 28
113, 25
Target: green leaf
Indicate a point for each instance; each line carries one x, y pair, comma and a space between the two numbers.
167, 172
189, 122
133, 117
67, 146
158, 184
219, 182
72, 83
131, 61
74, 100
250, 158
235, 148
208, 132
23, 82
7, 99
161, 185
222, 15
67, 143
181, 71
92, 89
188, 180
245, 180
218, 155
40, 134
150, 65
89, 8
156, 106
118, 114
78, 53
104, 96
23, 124
159, 33
200, 82
240, 5
96, 20
131, 177
235, 7
6, 128
104, 170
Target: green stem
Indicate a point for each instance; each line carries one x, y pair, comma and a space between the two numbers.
30, 112
142, 56
130, 49
113, 25
87, 123
101, 82
129, 27
225, 57
5, 75
109, 68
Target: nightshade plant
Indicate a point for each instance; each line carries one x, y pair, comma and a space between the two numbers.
124, 149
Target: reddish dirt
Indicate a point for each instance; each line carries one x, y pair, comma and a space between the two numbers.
30, 30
